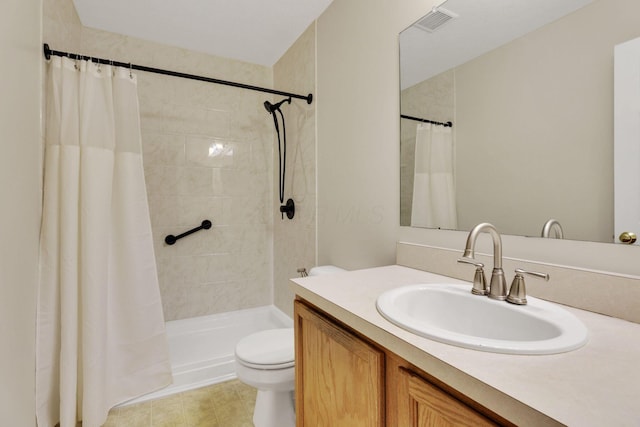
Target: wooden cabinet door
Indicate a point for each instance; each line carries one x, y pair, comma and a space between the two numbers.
339, 377
421, 404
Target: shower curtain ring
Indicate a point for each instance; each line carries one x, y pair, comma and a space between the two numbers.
130, 73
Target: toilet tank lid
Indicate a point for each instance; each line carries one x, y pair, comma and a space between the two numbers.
268, 347
325, 269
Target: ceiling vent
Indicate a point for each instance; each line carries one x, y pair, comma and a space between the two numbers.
435, 19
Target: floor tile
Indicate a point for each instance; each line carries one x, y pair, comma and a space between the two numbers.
228, 404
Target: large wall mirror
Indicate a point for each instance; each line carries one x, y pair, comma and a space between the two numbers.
528, 87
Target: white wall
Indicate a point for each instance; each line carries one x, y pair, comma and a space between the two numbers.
20, 44
358, 131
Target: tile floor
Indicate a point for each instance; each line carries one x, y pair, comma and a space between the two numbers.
228, 404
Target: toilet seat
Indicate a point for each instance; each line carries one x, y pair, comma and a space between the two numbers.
267, 350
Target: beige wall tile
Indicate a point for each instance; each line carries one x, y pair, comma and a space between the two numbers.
294, 240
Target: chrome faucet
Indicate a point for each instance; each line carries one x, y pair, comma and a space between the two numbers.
498, 284
554, 225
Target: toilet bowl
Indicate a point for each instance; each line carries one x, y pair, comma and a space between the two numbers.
266, 360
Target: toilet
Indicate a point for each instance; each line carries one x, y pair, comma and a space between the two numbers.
266, 360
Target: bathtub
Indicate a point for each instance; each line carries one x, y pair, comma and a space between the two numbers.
202, 348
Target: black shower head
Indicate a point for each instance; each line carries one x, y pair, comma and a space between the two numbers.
271, 107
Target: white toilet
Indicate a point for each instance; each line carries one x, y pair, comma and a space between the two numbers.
265, 360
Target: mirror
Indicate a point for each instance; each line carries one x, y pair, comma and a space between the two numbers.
528, 88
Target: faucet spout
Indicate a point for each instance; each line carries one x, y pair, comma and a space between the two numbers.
554, 225
469, 250
498, 285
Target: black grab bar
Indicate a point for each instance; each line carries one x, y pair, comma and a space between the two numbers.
171, 239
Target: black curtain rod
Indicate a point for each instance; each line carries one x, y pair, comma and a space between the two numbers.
48, 52
418, 119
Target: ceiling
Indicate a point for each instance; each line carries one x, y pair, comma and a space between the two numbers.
255, 31
480, 26
260, 32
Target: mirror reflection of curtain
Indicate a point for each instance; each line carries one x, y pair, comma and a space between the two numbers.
100, 329
434, 197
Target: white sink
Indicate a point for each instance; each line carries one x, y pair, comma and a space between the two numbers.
451, 314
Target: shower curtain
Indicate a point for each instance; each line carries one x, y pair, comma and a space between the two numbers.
434, 197
100, 327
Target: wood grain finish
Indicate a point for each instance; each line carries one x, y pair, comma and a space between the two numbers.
410, 391
344, 379
421, 404
339, 377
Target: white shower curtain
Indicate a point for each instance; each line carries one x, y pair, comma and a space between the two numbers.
100, 327
434, 197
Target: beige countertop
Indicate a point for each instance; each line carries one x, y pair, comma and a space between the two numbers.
596, 385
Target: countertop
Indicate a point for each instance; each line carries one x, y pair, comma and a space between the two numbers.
596, 385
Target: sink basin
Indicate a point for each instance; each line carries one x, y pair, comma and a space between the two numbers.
453, 315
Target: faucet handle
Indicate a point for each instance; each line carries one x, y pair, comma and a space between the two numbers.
517, 292
479, 279
472, 261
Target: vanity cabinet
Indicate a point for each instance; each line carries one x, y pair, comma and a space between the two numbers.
343, 379
420, 404
339, 377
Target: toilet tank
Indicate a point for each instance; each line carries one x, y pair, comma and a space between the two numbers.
325, 269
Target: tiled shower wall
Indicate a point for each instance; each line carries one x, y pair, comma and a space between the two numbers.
294, 243
207, 154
